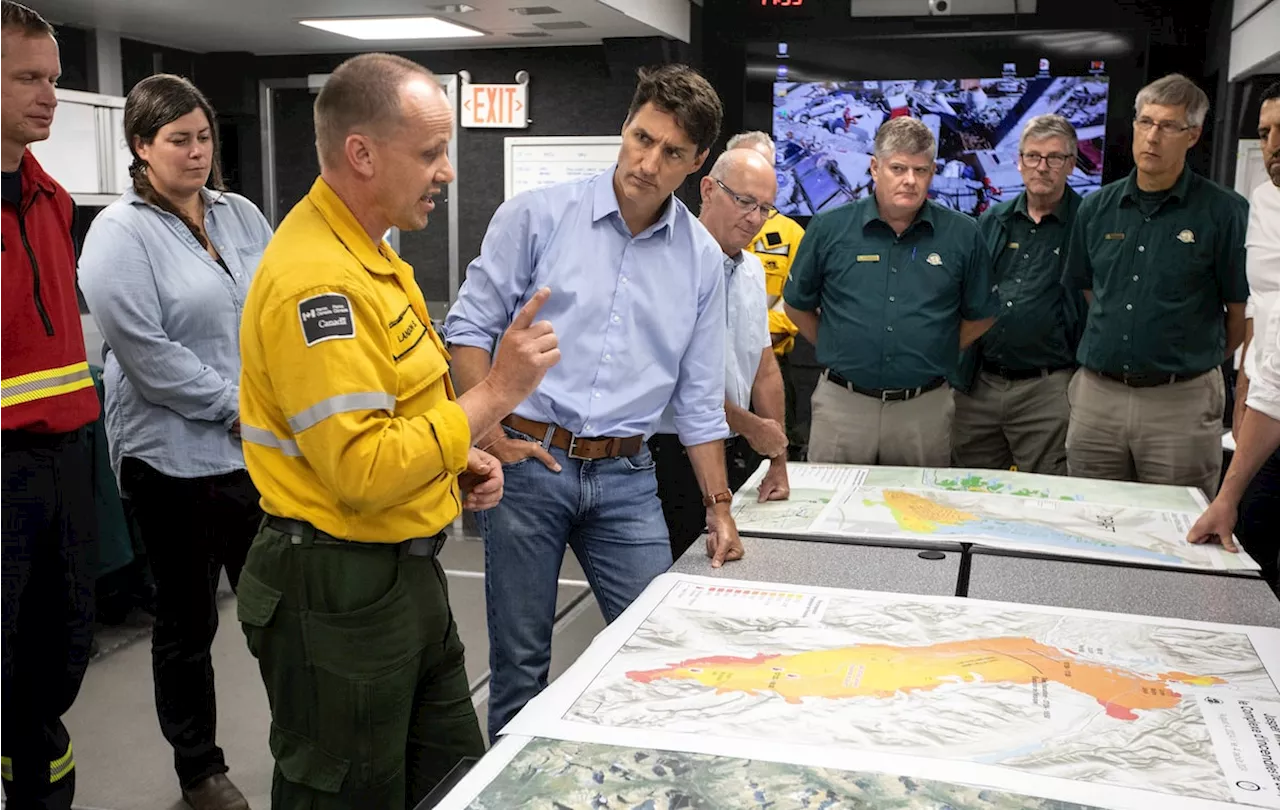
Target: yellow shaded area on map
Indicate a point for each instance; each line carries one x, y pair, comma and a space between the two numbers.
882, 670
916, 513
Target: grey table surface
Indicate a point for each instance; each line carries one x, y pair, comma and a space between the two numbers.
833, 565
1123, 589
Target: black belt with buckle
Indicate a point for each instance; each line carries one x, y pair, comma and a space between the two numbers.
886, 394
413, 547
1018, 374
1147, 379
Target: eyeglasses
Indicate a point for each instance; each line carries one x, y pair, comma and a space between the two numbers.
1144, 124
747, 205
1053, 160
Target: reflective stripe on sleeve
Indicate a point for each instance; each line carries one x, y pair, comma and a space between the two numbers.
43, 384
342, 403
265, 438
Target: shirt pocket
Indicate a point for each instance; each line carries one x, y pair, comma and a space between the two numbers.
854, 271
1186, 260
1106, 253
419, 362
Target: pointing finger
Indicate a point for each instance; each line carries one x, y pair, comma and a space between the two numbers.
529, 311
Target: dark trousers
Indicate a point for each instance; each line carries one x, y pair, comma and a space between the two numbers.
1258, 524
797, 434
192, 528
678, 486
370, 706
49, 535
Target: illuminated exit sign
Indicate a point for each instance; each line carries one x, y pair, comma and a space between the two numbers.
495, 105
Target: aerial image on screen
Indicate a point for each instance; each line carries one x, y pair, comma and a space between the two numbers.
825, 133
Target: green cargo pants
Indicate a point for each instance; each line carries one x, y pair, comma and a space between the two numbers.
370, 706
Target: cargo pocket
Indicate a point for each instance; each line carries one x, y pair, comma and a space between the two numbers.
366, 666
302, 762
256, 604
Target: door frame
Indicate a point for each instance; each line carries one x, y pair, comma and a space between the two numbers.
266, 128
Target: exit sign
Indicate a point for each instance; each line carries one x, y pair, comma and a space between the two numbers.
495, 105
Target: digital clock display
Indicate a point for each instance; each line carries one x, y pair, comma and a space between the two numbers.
782, 3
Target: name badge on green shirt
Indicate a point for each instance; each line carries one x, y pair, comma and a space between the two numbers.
869, 257
1111, 236
1012, 246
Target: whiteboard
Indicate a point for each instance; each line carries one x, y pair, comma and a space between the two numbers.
536, 162
71, 153
1251, 169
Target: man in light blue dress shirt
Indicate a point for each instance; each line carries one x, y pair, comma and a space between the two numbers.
737, 199
638, 299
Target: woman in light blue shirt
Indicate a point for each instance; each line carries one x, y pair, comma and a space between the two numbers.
165, 270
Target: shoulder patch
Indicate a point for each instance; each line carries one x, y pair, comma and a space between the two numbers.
326, 317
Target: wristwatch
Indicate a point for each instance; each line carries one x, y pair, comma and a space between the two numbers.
719, 497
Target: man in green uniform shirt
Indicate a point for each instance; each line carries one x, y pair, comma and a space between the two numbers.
1160, 257
903, 285
1011, 400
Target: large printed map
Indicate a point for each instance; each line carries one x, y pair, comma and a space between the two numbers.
1120, 521
1111, 701
559, 775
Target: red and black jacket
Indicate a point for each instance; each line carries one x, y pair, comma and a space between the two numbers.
45, 386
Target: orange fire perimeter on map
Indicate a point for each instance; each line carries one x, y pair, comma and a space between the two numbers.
881, 670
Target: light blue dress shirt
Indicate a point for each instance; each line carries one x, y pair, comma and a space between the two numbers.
170, 316
747, 317
641, 320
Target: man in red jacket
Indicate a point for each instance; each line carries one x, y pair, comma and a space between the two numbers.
46, 399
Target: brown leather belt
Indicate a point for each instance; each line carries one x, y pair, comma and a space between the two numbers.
577, 447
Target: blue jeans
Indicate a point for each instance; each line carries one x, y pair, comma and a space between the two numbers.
608, 512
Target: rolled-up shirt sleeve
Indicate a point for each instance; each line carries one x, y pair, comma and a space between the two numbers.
118, 282
496, 280
803, 289
978, 300
698, 400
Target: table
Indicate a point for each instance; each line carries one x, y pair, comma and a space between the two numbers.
1178, 594
834, 565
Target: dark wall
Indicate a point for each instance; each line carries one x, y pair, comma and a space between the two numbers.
76, 56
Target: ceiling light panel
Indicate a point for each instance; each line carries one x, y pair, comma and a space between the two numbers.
393, 28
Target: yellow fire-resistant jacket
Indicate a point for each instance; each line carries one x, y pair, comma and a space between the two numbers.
776, 247
346, 406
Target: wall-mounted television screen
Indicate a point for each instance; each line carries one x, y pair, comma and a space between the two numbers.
825, 132
823, 100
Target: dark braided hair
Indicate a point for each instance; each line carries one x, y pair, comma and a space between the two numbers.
152, 103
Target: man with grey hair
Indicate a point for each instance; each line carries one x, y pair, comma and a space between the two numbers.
776, 246
1011, 400
737, 197
1160, 257
902, 285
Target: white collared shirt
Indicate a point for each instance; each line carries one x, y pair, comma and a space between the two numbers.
1262, 362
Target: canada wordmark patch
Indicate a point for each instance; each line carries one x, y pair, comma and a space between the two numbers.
326, 317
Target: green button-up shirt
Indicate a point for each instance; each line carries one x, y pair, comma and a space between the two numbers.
1160, 281
1038, 325
891, 305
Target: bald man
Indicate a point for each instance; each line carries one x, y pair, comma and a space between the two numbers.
736, 201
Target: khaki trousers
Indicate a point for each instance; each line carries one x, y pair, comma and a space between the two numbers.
1023, 423
1169, 434
849, 428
